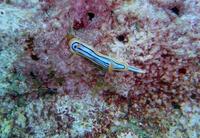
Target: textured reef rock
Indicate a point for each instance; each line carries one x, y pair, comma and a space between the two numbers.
46, 91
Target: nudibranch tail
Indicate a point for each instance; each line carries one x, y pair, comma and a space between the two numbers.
135, 69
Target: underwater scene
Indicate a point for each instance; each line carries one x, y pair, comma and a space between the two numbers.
99, 68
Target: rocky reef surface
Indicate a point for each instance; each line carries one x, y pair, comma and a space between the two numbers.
46, 91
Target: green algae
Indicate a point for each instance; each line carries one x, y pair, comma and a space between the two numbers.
6, 128
12, 120
17, 84
131, 125
21, 119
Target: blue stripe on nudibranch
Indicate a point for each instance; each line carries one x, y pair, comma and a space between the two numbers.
104, 61
90, 54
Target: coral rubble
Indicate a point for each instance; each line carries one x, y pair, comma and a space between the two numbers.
46, 91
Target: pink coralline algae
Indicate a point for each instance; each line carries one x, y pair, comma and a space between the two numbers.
66, 91
86, 13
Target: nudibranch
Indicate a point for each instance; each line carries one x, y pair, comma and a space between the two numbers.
106, 62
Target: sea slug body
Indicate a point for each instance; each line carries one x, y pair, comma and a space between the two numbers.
106, 62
